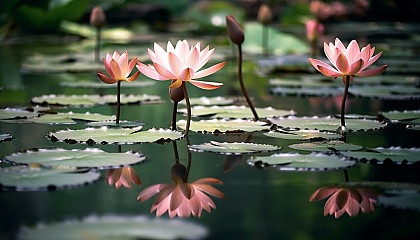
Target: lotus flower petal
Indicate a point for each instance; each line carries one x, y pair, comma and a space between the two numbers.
372, 72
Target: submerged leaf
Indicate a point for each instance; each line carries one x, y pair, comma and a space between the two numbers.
235, 148
237, 125
116, 227
105, 135
300, 162
381, 155
21, 178
88, 158
326, 123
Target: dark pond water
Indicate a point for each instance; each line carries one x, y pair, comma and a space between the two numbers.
260, 203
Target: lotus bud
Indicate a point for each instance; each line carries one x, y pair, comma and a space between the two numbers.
234, 30
178, 172
176, 94
265, 15
313, 30
97, 17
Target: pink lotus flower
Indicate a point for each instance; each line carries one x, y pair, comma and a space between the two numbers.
181, 198
346, 199
350, 61
118, 68
122, 176
181, 64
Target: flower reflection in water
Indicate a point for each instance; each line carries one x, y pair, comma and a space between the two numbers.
181, 197
122, 176
346, 198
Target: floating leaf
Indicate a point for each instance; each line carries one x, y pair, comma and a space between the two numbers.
299, 162
11, 113
114, 124
393, 154
237, 125
306, 82
5, 137
105, 135
325, 92
302, 134
88, 158
31, 179
236, 112
395, 92
235, 148
412, 116
89, 100
116, 227
99, 84
65, 118
326, 123
401, 200
326, 146
207, 101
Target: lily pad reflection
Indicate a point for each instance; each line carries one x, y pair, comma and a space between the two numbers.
382, 155
234, 148
5, 137
225, 126
236, 112
301, 162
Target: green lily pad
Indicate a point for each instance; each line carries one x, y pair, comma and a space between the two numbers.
289, 43
14, 113
105, 135
22, 178
211, 101
299, 162
116, 227
124, 124
326, 146
326, 123
64, 118
324, 92
236, 112
381, 155
234, 148
99, 84
305, 82
395, 92
76, 158
225, 126
302, 134
90, 100
411, 116
5, 137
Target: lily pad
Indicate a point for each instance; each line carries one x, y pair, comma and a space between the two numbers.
226, 126
411, 116
76, 158
401, 200
65, 118
326, 146
90, 100
234, 148
14, 113
326, 123
105, 135
124, 124
415, 127
300, 162
322, 92
211, 101
116, 227
395, 92
392, 154
236, 112
5, 137
303, 134
99, 84
22, 178
305, 82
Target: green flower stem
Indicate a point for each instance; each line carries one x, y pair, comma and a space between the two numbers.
346, 175
118, 102
174, 110
241, 82
97, 45
346, 79
265, 40
175, 151
187, 100
187, 172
